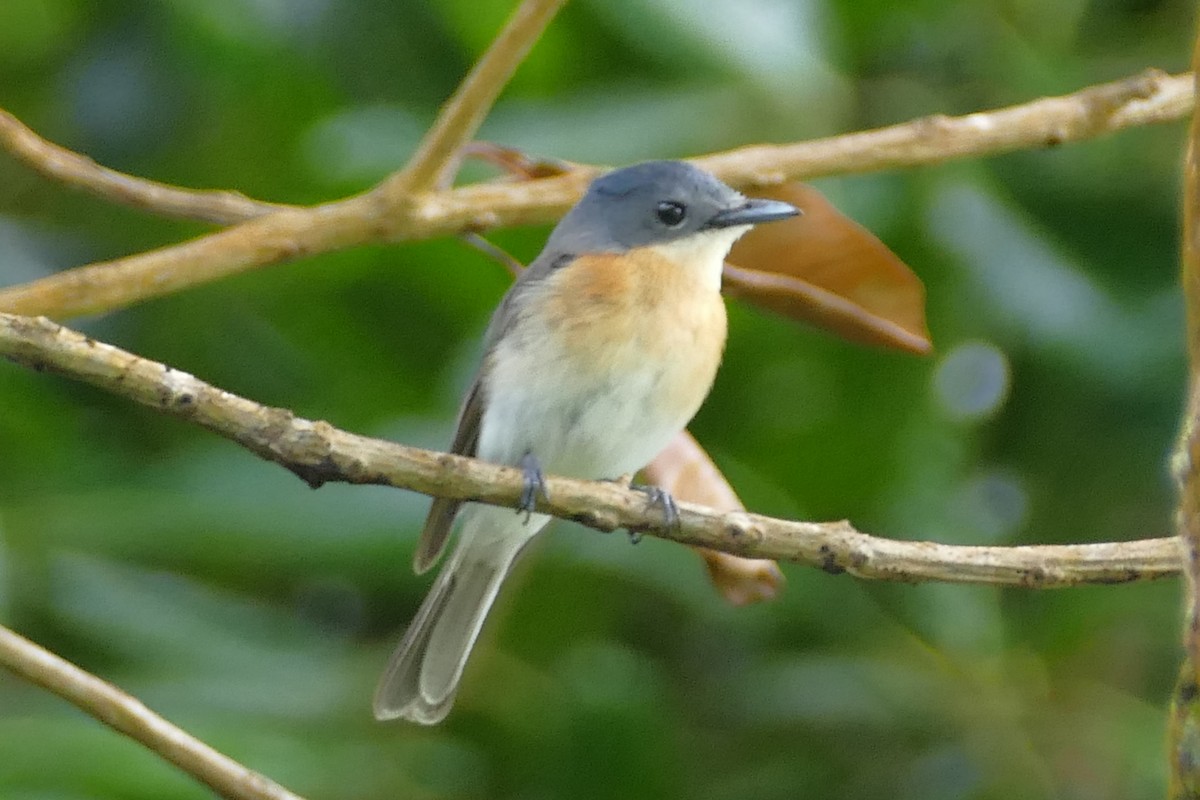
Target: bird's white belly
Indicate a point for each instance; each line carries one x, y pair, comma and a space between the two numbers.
579, 423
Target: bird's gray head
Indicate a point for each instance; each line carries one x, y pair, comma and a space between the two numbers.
656, 203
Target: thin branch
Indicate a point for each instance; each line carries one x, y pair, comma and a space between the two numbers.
80, 172
495, 252
829, 308
1183, 732
1145, 99
465, 111
1149, 98
127, 715
319, 453
1184, 727
1187, 460
270, 239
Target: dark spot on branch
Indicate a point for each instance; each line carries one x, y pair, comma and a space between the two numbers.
481, 222
829, 561
318, 474
1128, 576
312, 478
599, 522
446, 463
1034, 576
1187, 692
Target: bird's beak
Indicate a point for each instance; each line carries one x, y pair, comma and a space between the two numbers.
753, 212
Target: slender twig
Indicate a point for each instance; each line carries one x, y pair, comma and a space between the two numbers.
377, 216
1184, 722
1187, 459
465, 111
127, 715
1148, 98
319, 453
495, 252
270, 239
822, 305
80, 172
1184, 729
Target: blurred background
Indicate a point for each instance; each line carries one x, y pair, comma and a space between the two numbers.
257, 613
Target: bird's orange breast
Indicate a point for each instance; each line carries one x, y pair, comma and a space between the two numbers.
640, 314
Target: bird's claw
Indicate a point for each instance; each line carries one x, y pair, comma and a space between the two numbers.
658, 497
533, 485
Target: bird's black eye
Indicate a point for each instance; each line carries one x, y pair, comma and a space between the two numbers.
671, 213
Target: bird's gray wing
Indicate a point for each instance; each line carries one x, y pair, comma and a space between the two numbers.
436, 532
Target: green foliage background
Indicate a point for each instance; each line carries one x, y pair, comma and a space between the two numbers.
257, 613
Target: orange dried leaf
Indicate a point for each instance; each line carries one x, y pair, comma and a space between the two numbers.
686, 471
517, 163
742, 581
825, 269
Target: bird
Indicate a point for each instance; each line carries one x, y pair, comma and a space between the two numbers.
599, 354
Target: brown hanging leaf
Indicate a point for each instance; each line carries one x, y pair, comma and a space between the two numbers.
686, 471
517, 163
825, 269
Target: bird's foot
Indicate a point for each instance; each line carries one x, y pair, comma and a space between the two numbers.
657, 497
533, 485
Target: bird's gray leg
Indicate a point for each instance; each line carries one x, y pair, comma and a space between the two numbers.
533, 484
658, 497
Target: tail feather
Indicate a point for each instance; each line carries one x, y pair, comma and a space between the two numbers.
460, 619
422, 677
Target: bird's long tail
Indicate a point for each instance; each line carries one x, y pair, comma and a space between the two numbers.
422, 675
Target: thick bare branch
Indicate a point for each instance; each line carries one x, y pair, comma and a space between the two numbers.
385, 215
318, 452
464, 112
129, 716
80, 172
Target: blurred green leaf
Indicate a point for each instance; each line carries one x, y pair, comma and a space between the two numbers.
31, 30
